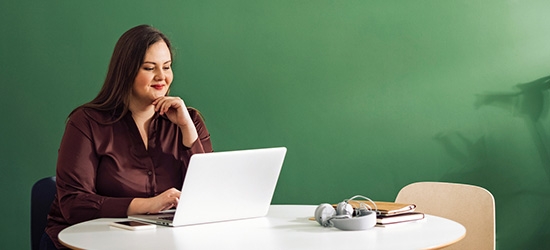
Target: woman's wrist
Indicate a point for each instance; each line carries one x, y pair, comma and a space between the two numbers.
137, 206
189, 135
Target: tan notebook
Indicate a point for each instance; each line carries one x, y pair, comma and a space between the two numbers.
398, 218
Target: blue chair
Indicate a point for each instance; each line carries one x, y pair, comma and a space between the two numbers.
42, 195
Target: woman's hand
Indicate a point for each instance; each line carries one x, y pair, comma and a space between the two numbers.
174, 108
163, 201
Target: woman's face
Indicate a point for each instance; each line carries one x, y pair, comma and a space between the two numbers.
154, 76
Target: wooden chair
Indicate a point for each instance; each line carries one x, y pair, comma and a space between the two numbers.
471, 206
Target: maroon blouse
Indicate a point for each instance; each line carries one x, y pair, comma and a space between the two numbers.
101, 167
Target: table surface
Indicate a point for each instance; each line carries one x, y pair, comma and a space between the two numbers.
284, 227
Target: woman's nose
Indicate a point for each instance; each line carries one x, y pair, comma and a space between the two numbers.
159, 75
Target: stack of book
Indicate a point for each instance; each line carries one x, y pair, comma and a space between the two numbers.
391, 213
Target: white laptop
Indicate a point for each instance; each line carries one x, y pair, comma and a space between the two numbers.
224, 186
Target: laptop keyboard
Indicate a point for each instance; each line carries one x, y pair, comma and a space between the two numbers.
167, 218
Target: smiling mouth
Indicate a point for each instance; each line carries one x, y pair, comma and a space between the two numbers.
157, 87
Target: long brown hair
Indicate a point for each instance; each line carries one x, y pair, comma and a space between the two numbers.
125, 63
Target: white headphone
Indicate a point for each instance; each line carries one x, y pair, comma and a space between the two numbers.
345, 217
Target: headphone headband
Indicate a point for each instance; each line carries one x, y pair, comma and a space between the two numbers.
366, 206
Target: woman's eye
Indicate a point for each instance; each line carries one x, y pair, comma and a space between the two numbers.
148, 68
166, 67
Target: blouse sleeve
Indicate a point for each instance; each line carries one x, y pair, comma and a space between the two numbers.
76, 175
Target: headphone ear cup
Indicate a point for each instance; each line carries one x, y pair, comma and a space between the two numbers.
362, 211
323, 213
344, 208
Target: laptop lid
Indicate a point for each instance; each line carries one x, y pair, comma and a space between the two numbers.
223, 186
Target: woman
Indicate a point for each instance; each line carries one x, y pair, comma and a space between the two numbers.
126, 152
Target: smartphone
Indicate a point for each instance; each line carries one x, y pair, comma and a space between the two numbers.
133, 225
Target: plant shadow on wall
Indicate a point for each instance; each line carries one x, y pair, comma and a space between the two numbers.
486, 162
531, 102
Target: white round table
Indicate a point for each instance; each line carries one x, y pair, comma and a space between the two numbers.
284, 227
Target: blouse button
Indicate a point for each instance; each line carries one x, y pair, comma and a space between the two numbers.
149, 172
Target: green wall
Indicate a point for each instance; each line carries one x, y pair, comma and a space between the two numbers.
368, 96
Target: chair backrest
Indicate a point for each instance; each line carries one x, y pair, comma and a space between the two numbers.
42, 195
471, 206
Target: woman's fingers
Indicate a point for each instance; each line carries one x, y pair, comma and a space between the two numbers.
174, 108
163, 104
166, 200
